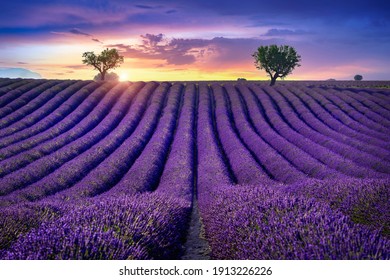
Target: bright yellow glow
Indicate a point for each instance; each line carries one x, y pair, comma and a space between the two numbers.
123, 77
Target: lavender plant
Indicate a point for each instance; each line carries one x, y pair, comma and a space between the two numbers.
268, 223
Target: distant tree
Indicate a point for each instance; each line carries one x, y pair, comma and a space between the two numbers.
111, 76
278, 62
358, 77
108, 59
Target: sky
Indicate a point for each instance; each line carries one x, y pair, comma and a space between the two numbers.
195, 40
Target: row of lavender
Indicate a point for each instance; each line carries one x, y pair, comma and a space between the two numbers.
116, 164
341, 84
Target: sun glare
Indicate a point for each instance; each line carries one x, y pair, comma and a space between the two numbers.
123, 77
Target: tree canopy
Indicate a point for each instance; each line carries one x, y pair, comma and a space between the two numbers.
278, 62
108, 59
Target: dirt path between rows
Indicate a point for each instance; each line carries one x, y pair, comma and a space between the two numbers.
196, 246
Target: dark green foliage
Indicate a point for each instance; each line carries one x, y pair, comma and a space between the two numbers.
358, 77
108, 59
278, 62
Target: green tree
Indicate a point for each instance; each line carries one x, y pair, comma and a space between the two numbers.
108, 59
358, 77
278, 62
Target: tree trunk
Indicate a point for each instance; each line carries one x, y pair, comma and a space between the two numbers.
273, 80
102, 75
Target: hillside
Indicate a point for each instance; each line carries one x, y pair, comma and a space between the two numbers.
94, 170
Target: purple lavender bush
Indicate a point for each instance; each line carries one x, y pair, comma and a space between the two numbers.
146, 226
256, 222
365, 201
19, 219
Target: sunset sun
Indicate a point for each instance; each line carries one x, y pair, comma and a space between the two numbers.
123, 77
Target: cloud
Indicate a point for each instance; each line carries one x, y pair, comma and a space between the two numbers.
218, 52
173, 51
150, 41
171, 12
97, 40
146, 7
77, 67
301, 9
73, 31
18, 73
119, 14
285, 32
77, 31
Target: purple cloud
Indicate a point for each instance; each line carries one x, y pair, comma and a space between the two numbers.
171, 12
173, 51
77, 31
218, 51
146, 7
150, 41
97, 40
286, 32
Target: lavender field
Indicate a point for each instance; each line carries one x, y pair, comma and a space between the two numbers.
94, 170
